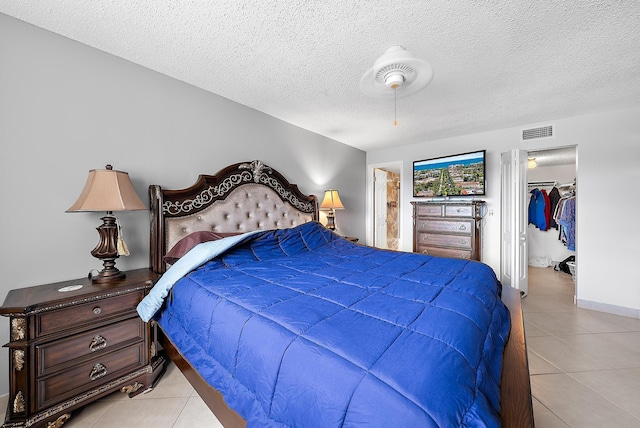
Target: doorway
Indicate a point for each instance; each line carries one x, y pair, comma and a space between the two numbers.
386, 208
522, 172
553, 172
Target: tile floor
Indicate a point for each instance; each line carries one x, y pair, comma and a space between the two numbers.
584, 365
585, 371
172, 404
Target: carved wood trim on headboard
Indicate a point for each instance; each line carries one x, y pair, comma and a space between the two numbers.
209, 189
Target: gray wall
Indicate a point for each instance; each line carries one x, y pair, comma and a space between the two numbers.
66, 108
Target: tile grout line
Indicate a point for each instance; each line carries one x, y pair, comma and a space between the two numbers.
173, 424
600, 395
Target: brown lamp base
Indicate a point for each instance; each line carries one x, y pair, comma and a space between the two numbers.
331, 216
331, 224
109, 273
107, 251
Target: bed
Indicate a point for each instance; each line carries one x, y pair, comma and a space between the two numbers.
281, 322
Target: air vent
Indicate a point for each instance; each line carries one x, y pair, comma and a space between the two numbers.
537, 133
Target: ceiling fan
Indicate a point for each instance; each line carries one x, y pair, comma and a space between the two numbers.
396, 73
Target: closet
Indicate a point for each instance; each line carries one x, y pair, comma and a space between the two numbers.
552, 212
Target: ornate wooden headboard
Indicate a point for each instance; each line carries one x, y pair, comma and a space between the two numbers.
239, 198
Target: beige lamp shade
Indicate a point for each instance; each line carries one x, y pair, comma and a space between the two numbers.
108, 190
331, 200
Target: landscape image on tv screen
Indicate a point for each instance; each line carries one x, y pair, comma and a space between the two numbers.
457, 175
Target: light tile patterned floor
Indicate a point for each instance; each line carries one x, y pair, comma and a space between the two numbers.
172, 404
584, 365
585, 371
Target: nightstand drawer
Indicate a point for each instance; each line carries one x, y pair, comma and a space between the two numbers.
79, 315
93, 342
91, 374
445, 252
457, 241
451, 226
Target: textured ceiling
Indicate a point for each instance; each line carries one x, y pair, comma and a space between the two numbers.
496, 63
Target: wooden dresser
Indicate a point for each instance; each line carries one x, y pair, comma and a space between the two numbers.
448, 229
70, 345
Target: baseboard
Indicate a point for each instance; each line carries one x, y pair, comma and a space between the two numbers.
611, 309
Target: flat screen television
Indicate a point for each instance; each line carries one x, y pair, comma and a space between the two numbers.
455, 175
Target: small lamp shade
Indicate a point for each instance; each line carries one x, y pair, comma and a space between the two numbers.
331, 202
108, 190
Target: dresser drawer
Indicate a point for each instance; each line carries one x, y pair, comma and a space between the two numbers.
429, 210
445, 252
457, 241
98, 341
79, 315
88, 375
448, 226
458, 211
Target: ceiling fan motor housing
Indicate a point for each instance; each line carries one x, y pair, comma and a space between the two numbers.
397, 70
391, 70
394, 79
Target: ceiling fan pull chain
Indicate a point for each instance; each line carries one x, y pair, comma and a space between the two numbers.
395, 107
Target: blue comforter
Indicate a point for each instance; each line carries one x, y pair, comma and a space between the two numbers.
301, 328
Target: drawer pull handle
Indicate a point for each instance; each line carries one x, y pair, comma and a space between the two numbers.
97, 310
462, 227
98, 371
98, 343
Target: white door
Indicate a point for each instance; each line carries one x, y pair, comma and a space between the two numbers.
380, 206
514, 214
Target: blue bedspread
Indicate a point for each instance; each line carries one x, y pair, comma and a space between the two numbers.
301, 328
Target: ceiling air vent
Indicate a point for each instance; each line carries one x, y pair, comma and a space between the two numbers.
536, 133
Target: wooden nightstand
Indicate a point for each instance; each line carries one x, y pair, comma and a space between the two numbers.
70, 345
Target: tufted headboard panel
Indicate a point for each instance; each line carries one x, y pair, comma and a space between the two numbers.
240, 198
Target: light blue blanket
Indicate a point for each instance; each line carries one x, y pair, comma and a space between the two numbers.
197, 256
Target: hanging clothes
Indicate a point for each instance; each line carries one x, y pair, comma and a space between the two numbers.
536, 211
547, 210
532, 207
565, 216
554, 198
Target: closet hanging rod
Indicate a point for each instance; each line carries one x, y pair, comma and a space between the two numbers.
542, 183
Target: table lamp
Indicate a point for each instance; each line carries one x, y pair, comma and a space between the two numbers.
107, 190
331, 202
